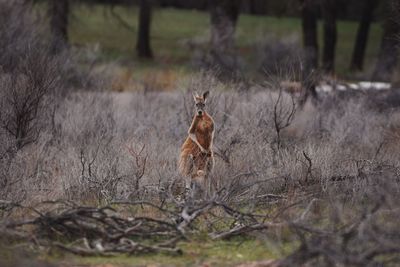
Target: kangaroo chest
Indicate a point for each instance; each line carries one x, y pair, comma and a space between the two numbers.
204, 131
204, 127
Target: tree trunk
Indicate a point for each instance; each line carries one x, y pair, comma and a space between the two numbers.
143, 48
388, 54
357, 61
310, 43
310, 34
59, 11
330, 35
224, 15
252, 7
249, 7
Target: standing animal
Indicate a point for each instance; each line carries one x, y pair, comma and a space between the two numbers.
197, 158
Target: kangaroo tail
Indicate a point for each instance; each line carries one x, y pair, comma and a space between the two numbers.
185, 164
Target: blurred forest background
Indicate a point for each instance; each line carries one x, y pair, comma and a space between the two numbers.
151, 43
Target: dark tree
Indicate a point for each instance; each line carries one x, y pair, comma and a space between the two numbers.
357, 60
330, 35
143, 47
310, 34
388, 54
250, 7
224, 15
310, 42
59, 12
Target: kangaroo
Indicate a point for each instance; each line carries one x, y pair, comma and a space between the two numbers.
197, 158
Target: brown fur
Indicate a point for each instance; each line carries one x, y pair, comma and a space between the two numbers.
193, 163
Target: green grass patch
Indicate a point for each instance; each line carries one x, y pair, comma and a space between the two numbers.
171, 28
195, 253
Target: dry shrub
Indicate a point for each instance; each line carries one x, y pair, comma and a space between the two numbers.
150, 81
276, 54
33, 84
164, 80
89, 156
124, 146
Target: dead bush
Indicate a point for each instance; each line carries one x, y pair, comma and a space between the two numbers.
103, 147
34, 82
277, 54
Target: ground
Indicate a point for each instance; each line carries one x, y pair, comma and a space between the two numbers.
195, 253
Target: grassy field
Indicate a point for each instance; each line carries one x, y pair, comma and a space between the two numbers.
200, 253
195, 253
172, 28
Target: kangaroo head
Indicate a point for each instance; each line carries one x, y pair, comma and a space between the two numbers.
200, 102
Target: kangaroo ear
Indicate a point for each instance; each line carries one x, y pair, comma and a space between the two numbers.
205, 95
195, 94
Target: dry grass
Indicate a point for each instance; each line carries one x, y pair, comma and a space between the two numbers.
88, 156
